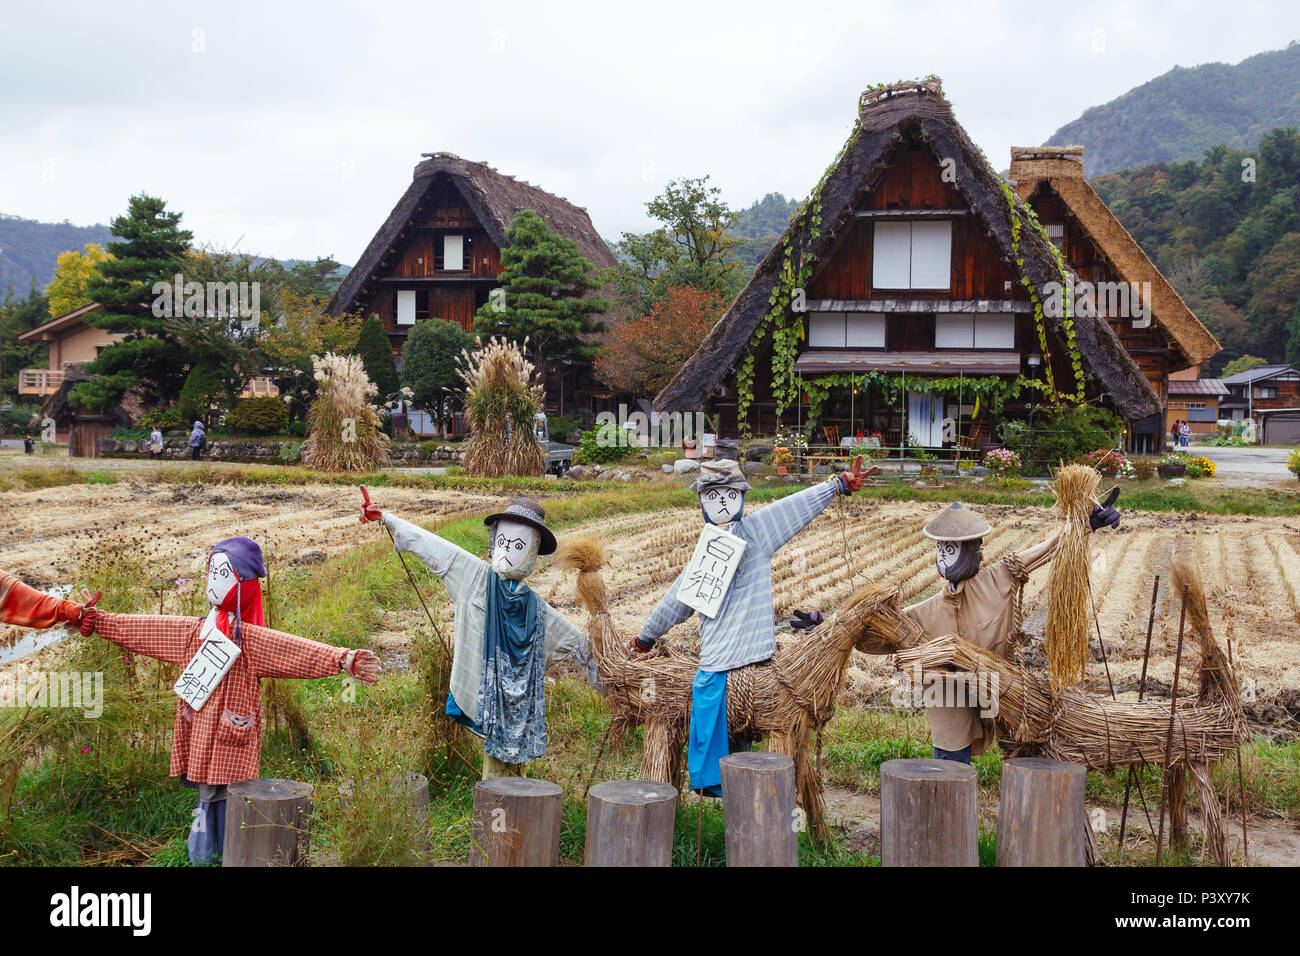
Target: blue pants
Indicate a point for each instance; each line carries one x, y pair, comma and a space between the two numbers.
708, 735
961, 756
208, 832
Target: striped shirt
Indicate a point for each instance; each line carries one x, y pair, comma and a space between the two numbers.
744, 629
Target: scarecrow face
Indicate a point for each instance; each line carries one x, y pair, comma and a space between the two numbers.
946, 554
514, 549
221, 578
721, 505
957, 560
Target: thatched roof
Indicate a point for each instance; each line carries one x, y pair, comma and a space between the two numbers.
494, 197
1060, 169
917, 111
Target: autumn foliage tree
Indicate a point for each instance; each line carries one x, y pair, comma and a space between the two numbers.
642, 353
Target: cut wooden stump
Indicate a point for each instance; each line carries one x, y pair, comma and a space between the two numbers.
927, 814
268, 823
630, 823
762, 826
516, 822
1041, 818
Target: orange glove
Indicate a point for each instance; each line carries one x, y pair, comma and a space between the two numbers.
369, 512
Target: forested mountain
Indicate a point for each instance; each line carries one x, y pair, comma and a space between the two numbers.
1225, 230
30, 249
758, 227
1182, 113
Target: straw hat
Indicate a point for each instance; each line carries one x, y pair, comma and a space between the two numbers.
956, 523
529, 512
720, 473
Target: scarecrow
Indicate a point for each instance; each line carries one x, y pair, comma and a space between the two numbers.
24, 606
225, 656
981, 605
737, 618
506, 636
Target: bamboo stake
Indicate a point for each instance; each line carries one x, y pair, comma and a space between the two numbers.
1169, 738
1142, 689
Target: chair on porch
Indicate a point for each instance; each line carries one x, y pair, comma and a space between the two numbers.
970, 441
832, 435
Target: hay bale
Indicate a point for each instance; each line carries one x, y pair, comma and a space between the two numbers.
1068, 590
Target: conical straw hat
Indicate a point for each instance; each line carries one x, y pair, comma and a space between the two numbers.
956, 523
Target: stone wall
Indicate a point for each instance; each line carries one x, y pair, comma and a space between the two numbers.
271, 452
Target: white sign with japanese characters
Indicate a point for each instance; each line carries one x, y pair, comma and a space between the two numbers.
213, 660
709, 572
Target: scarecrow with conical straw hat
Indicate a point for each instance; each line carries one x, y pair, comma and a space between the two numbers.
225, 656
506, 635
737, 625
981, 605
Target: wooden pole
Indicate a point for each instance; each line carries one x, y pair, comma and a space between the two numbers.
268, 823
630, 823
1169, 737
516, 822
762, 827
1039, 813
1142, 687
928, 814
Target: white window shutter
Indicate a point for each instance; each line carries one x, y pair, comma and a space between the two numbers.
953, 331
453, 253
865, 330
931, 255
405, 307
826, 330
997, 330
891, 255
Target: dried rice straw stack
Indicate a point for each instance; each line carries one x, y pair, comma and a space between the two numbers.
1067, 583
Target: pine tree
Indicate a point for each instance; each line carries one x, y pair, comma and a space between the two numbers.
545, 283
377, 356
152, 248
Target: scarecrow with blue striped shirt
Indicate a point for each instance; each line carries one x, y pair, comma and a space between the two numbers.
743, 629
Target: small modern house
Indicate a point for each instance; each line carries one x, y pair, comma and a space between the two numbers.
72, 341
438, 254
1262, 387
917, 296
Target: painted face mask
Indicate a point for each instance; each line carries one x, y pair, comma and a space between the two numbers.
221, 579
957, 560
514, 549
722, 505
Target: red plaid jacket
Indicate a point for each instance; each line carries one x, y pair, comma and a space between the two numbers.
28, 607
222, 742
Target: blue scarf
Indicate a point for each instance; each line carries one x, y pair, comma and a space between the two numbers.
512, 714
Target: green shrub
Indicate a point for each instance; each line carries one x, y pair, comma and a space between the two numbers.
605, 444
162, 419
18, 420
1061, 433
264, 415
203, 390
1143, 468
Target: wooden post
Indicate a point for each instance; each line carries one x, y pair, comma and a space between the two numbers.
268, 823
1041, 818
927, 814
762, 825
630, 823
516, 822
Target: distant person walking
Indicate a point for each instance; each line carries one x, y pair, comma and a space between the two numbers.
197, 441
155, 443
29, 446
1185, 434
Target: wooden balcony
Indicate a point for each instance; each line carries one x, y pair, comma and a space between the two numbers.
39, 381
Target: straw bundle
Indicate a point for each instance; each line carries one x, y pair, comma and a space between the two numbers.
1068, 596
784, 699
1078, 727
501, 403
343, 429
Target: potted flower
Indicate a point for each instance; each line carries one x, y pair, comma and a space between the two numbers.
1108, 461
1293, 463
1172, 465
1002, 462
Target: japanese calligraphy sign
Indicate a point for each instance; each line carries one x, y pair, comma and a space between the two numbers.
213, 660
708, 574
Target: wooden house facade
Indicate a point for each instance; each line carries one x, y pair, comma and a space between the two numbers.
920, 263
438, 256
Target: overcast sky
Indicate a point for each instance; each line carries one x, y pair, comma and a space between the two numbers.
291, 129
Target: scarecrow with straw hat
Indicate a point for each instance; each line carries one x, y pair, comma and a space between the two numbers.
981, 605
739, 627
506, 636
224, 656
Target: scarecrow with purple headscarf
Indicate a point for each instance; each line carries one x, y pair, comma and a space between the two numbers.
224, 656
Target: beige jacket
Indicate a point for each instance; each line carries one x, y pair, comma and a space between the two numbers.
982, 610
